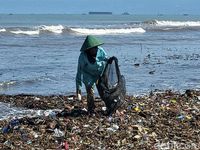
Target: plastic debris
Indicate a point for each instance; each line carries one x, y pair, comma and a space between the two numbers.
52, 115
181, 117
188, 117
35, 135
104, 108
110, 119
66, 145
143, 122
86, 125
8, 144
137, 109
12, 124
29, 142
58, 133
70, 98
198, 97
113, 128
173, 101
6, 129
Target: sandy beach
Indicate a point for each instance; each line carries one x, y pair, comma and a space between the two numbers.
159, 120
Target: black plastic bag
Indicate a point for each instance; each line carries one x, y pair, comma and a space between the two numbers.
111, 86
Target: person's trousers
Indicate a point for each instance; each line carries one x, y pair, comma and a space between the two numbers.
90, 98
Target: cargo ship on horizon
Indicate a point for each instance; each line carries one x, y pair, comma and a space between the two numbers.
99, 13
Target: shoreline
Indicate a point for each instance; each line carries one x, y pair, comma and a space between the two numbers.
143, 122
53, 101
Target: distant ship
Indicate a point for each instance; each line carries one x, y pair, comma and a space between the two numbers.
125, 13
160, 15
99, 13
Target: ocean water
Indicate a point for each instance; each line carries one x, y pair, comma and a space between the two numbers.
39, 53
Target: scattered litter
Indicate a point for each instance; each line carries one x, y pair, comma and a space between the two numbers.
70, 98
143, 122
104, 108
58, 133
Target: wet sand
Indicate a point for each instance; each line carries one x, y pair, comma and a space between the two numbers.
153, 121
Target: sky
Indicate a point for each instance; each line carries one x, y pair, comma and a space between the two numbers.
115, 6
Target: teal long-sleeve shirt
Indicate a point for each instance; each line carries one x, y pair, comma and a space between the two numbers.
87, 72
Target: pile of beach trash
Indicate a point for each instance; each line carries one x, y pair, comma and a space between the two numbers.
159, 120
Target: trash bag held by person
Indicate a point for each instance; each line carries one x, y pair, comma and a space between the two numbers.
91, 63
111, 86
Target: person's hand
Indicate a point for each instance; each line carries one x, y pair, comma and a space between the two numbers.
110, 60
79, 97
78, 94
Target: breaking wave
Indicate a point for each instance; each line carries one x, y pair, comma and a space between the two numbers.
2, 30
179, 23
36, 32
130, 28
54, 29
60, 29
173, 23
171, 26
108, 31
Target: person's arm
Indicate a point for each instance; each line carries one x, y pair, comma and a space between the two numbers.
104, 54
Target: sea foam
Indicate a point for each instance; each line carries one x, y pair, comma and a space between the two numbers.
178, 23
53, 28
36, 32
2, 30
7, 84
108, 31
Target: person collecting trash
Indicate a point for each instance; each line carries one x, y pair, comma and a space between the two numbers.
91, 63
95, 68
